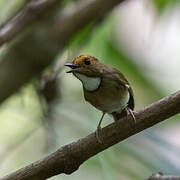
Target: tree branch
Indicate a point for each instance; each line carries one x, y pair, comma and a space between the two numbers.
22, 19
68, 158
161, 176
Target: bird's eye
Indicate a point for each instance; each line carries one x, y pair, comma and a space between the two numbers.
87, 61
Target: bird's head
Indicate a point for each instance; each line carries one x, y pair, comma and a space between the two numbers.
85, 64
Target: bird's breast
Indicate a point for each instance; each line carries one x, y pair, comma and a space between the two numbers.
89, 83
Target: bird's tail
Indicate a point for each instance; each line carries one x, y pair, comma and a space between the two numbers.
119, 115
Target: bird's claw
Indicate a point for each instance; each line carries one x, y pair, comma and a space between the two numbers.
97, 134
129, 111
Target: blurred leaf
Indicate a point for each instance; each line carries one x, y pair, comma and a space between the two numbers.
133, 151
107, 166
169, 156
162, 4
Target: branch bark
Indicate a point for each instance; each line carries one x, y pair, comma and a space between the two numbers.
68, 158
161, 176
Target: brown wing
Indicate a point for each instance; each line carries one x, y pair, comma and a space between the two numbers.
115, 74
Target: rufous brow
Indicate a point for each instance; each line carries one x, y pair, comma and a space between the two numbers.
80, 59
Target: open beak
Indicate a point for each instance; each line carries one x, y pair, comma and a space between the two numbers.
72, 66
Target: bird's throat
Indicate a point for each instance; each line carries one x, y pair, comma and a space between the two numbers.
89, 83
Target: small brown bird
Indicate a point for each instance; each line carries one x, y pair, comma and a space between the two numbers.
104, 87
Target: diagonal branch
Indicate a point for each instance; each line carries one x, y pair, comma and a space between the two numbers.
68, 158
23, 18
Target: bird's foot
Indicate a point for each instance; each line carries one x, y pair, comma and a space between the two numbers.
130, 111
97, 134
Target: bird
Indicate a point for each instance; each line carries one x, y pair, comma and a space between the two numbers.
104, 87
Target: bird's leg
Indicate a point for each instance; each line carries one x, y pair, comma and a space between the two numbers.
99, 128
130, 111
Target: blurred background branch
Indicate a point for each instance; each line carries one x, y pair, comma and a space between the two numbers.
24, 17
68, 158
161, 176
